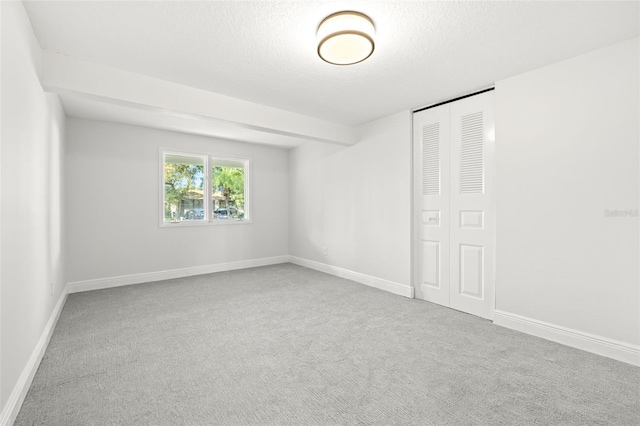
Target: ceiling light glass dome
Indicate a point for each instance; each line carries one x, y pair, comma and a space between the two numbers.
346, 38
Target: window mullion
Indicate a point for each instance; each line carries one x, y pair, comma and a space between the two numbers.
207, 189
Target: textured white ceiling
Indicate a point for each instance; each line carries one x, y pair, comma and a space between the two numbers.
265, 52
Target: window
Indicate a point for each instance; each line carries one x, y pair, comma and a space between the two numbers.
184, 187
204, 189
228, 189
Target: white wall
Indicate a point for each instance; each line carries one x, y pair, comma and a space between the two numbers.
113, 204
567, 150
355, 201
32, 259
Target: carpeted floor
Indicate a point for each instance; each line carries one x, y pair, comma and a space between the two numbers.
286, 345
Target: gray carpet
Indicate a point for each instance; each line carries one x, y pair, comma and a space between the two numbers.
285, 345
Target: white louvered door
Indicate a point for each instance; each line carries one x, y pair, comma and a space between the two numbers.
471, 229
456, 221
431, 133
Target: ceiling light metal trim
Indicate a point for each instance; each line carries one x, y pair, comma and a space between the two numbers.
341, 29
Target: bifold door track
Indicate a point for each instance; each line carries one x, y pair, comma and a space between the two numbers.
455, 99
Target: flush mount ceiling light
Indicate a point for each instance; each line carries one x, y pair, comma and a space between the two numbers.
345, 38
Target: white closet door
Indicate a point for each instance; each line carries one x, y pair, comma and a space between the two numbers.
431, 136
453, 151
470, 201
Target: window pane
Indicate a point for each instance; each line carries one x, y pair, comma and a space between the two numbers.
183, 188
227, 183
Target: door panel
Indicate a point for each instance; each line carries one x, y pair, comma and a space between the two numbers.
471, 270
431, 264
470, 198
431, 132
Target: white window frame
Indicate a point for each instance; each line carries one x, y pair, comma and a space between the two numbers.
208, 159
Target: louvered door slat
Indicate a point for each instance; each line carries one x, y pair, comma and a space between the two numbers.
471, 155
431, 159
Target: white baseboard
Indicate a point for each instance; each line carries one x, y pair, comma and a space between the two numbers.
588, 342
14, 403
390, 286
101, 283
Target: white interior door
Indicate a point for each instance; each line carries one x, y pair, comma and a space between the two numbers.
431, 136
470, 201
453, 147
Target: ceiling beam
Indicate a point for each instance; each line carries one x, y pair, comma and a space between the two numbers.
69, 76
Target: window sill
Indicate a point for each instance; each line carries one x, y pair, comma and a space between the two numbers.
187, 224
